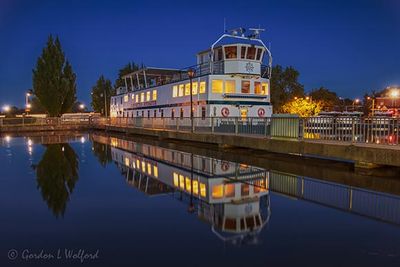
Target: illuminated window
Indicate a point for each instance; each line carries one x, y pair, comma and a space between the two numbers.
155, 171
127, 162
181, 89
230, 86
257, 88
230, 52
175, 91
245, 87
143, 166
126, 98
203, 192
188, 184
137, 98
259, 52
133, 96
245, 190
181, 181
251, 53
202, 87
142, 97
149, 168
217, 86
217, 191
154, 95
194, 88
187, 89
243, 52
176, 179
137, 163
229, 190
264, 88
148, 96
195, 187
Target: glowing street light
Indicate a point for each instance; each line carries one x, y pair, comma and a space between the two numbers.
82, 106
6, 108
394, 93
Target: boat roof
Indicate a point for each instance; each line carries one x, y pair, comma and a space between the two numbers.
153, 71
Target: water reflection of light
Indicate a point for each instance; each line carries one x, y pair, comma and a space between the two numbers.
29, 142
8, 138
83, 140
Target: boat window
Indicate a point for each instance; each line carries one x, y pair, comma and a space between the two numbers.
218, 54
243, 52
257, 88
245, 87
155, 171
126, 98
176, 179
181, 181
229, 190
265, 88
133, 96
187, 89
259, 52
137, 98
230, 224
154, 95
217, 86
195, 187
231, 52
217, 191
245, 190
194, 88
203, 191
230, 86
141, 97
175, 91
181, 89
251, 53
202, 87
149, 168
188, 184
148, 96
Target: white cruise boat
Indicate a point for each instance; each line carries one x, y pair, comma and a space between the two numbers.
229, 80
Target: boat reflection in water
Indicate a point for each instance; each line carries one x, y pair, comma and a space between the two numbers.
233, 198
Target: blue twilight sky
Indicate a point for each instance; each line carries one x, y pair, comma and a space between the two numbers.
349, 46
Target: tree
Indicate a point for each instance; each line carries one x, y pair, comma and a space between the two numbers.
302, 107
284, 86
56, 176
102, 91
36, 106
54, 82
328, 99
128, 68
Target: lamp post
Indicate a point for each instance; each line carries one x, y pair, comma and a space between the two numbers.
356, 101
191, 74
373, 105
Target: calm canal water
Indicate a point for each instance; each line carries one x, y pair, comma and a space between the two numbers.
97, 200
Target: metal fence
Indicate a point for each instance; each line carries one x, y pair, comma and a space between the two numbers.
371, 130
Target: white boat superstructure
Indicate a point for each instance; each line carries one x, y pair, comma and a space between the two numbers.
229, 80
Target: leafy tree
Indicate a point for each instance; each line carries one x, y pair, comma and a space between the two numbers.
102, 91
102, 152
54, 82
128, 68
56, 176
284, 86
302, 107
329, 99
36, 106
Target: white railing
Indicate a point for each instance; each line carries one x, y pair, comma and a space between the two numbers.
343, 129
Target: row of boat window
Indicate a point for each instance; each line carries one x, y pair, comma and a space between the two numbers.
184, 89
189, 185
237, 52
148, 168
160, 113
229, 86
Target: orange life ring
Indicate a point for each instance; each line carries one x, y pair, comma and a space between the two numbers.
261, 112
225, 112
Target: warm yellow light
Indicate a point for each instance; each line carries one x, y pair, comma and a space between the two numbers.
203, 191
217, 191
394, 93
357, 100
6, 108
28, 105
155, 170
81, 106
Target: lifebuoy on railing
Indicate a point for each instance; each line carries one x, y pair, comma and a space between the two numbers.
261, 112
224, 166
48, 121
225, 112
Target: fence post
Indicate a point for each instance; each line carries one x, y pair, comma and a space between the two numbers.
236, 125
212, 124
177, 124
353, 130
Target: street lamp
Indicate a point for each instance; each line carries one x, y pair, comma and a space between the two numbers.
82, 106
394, 93
6, 108
356, 101
191, 74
